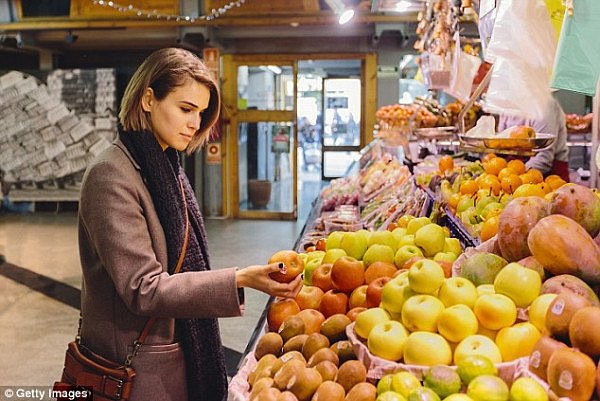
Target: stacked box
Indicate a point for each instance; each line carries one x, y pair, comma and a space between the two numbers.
51, 132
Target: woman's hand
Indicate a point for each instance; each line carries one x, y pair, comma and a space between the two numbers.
257, 277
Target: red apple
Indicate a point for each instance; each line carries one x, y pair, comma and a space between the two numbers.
447, 266
309, 297
312, 320
322, 277
321, 244
352, 313
374, 291
334, 302
293, 265
311, 248
358, 297
379, 269
347, 273
279, 310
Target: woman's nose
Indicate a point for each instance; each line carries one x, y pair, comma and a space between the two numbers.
195, 121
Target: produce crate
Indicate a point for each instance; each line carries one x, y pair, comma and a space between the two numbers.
458, 230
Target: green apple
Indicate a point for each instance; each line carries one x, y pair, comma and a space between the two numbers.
519, 283
482, 267
425, 276
366, 320
472, 366
378, 253
309, 267
408, 239
495, 311
354, 244
490, 208
517, 341
465, 203
390, 396
449, 257
527, 389
457, 322
423, 394
314, 255
404, 253
334, 239
488, 388
458, 290
384, 237
385, 383
416, 223
404, 382
453, 245
484, 201
386, 340
398, 233
431, 238
365, 234
303, 256
331, 255
477, 344
421, 312
394, 293
427, 349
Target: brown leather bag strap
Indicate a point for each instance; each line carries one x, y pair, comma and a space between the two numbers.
148, 326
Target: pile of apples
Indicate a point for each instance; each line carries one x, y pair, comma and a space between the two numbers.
474, 379
428, 319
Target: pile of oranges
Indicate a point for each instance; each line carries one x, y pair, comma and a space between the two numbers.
501, 178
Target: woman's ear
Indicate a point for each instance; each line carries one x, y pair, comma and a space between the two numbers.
147, 99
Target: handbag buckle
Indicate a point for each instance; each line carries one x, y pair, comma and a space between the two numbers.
120, 384
133, 353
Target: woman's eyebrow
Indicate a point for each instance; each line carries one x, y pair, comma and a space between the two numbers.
189, 103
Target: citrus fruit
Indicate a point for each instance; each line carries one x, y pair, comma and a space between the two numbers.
443, 380
489, 227
404, 383
468, 187
472, 366
494, 165
488, 388
529, 190
510, 183
423, 394
527, 389
385, 384
487, 157
446, 163
458, 397
517, 166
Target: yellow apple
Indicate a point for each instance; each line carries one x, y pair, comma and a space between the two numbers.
458, 290
333, 240
527, 389
537, 311
517, 341
366, 320
384, 237
378, 253
425, 276
519, 283
431, 238
408, 239
421, 312
404, 253
491, 334
453, 245
386, 340
331, 255
477, 345
488, 388
428, 349
458, 397
354, 244
457, 322
398, 233
394, 293
416, 223
445, 257
485, 289
495, 311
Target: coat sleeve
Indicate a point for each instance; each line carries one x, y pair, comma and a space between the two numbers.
114, 218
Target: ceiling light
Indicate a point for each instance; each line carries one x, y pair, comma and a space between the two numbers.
403, 5
338, 7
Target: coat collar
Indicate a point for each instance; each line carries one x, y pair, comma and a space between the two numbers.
122, 146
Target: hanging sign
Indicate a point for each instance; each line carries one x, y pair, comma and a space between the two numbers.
213, 153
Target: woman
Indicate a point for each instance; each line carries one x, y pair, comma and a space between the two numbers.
132, 221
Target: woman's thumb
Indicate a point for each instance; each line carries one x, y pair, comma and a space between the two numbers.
277, 267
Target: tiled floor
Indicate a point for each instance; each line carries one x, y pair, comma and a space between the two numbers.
40, 281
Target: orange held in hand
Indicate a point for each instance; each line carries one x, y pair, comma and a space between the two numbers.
293, 266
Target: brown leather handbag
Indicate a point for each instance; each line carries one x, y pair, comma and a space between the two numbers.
108, 380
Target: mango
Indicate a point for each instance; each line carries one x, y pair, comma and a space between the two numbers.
564, 247
515, 221
580, 204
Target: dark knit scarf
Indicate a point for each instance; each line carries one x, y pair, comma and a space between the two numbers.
201, 340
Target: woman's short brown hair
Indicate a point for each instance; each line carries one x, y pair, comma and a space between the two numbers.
163, 71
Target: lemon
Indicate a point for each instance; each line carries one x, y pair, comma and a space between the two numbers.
527, 389
385, 384
472, 366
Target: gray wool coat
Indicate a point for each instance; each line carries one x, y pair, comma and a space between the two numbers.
123, 256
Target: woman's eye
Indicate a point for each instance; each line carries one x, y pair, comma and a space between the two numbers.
185, 110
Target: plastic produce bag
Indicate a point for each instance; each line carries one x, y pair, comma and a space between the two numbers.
556, 9
523, 48
464, 70
577, 65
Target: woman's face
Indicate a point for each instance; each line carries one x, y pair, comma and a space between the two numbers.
176, 118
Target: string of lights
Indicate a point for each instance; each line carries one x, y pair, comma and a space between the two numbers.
215, 12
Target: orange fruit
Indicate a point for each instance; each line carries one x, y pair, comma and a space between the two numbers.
488, 156
545, 187
489, 228
517, 166
504, 173
554, 181
522, 132
403, 221
536, 175
446, 163
453, 200
529, 190
510, 183
468, 187
493, 166
491, 182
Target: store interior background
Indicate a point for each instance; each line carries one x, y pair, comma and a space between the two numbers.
40, 247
